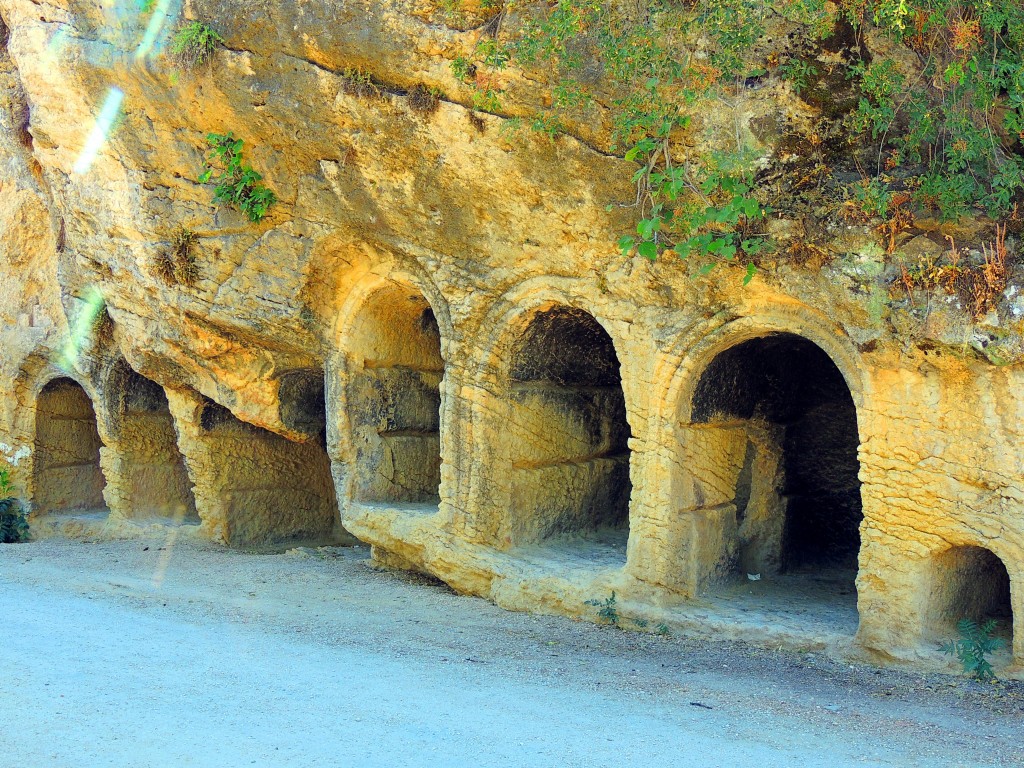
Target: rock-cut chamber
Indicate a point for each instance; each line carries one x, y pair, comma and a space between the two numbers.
67, 474
155, 483
567, 431
263, 488
394, 399
780, 422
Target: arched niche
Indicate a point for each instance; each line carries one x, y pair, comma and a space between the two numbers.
968, 582
566, 434
770, 462
393, 398
66, 465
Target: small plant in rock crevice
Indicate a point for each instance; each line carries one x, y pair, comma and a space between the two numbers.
972, 647
238, 185
607, 611
102, 329
194, 45
177, 264
356, 82
13, 524
424, 100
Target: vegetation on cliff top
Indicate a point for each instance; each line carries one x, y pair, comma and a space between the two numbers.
931, 121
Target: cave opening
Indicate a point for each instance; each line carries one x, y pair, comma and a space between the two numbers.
969, 582
67, 473
785, 411
394, 399
568, 434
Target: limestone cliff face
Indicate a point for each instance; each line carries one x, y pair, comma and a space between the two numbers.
363, 345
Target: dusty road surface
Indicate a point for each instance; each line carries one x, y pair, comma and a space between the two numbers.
137, 654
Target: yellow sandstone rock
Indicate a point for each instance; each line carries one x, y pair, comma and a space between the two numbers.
433, 344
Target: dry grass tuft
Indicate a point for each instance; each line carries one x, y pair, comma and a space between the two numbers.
357, 83
977, 287
178, 264
424, 100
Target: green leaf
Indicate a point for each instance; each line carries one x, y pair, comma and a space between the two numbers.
648, 250
646, 228
754, 246
751, 271
683, 249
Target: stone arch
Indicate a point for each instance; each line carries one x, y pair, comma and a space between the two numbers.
552, 427
683, 366
148, 477
968, 582
19, 412
388, 389
66, 470
735, 465
778, 424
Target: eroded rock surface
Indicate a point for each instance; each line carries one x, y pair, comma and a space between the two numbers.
432, 341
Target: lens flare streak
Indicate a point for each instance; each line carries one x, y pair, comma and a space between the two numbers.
161, 14
81, 333
100, 131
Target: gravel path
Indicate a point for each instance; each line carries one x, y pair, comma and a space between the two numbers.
153, 654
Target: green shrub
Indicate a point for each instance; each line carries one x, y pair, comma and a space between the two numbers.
798, 72
607, 611
962, 119
973, 647
13, 525
954, 130
194, 45
237, 183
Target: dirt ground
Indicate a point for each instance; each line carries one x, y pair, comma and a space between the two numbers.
153, 653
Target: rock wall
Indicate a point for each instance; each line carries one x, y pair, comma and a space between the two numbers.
432, 342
